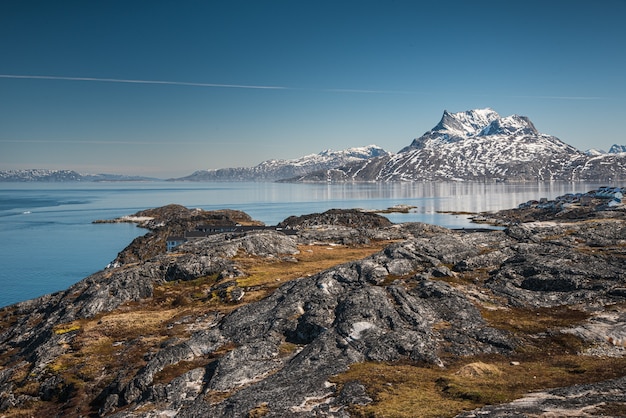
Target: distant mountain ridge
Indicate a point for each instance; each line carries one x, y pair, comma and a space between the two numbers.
615, 149
44, 175
474, 145
481, 145
272, 170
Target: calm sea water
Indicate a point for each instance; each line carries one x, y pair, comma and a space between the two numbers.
48, 241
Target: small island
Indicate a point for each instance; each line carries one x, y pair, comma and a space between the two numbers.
401, 208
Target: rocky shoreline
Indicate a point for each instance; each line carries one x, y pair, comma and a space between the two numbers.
351, 316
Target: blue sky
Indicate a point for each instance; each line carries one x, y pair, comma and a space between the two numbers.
164, 88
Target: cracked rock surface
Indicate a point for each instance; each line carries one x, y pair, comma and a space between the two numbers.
277, 355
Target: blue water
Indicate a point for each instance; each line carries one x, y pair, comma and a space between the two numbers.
48, 240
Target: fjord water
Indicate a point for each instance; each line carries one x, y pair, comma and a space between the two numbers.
48, 240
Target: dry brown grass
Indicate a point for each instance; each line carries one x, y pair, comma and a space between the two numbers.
311, 259
34, 409
174, 370
8, 318
405, 390
532, 321
546, 358
260, 411
114, 345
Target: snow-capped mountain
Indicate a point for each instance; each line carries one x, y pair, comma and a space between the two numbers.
455, 127
39, 175
271, 170
594, 152
616, 149
44, 175
481, 145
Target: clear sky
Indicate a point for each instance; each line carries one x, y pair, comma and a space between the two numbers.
164, 88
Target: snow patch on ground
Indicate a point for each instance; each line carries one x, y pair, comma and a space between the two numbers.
131, 218
358, 328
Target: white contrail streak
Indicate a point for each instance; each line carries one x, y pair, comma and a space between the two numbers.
184, 83
245, 86
118, 80
101, 142
561, 97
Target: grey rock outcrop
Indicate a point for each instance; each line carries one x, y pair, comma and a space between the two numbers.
32, 335
418, 300
558, 264
351, 218
338, 317
605, 399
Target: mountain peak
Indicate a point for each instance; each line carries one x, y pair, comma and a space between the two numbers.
479, 145
466, 123
457, 126
510, 125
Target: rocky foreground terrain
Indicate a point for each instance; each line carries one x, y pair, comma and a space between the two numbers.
352, 316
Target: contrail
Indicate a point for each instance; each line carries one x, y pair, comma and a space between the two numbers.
118, 80
561, 97
100, 142
362, 91
246, 86
184, 83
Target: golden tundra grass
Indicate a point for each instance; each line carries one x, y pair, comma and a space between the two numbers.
407, 391
115, 344
547, 359
312, 259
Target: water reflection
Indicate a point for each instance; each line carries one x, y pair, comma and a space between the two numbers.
272, 202
35, 218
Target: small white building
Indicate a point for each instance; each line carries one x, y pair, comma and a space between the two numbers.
173, 242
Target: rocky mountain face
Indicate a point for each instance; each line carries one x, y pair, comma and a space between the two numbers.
39, 175
481, 145
271, 170
259, 324
617, 149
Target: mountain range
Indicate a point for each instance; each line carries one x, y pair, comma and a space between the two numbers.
44, 175
481, 145
272, 170
474, 145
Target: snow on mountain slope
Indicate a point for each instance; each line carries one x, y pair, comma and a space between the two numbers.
594, 152
45, 175
605, 167
455, 127
36, 174
271, 170
480, 145
615, 149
